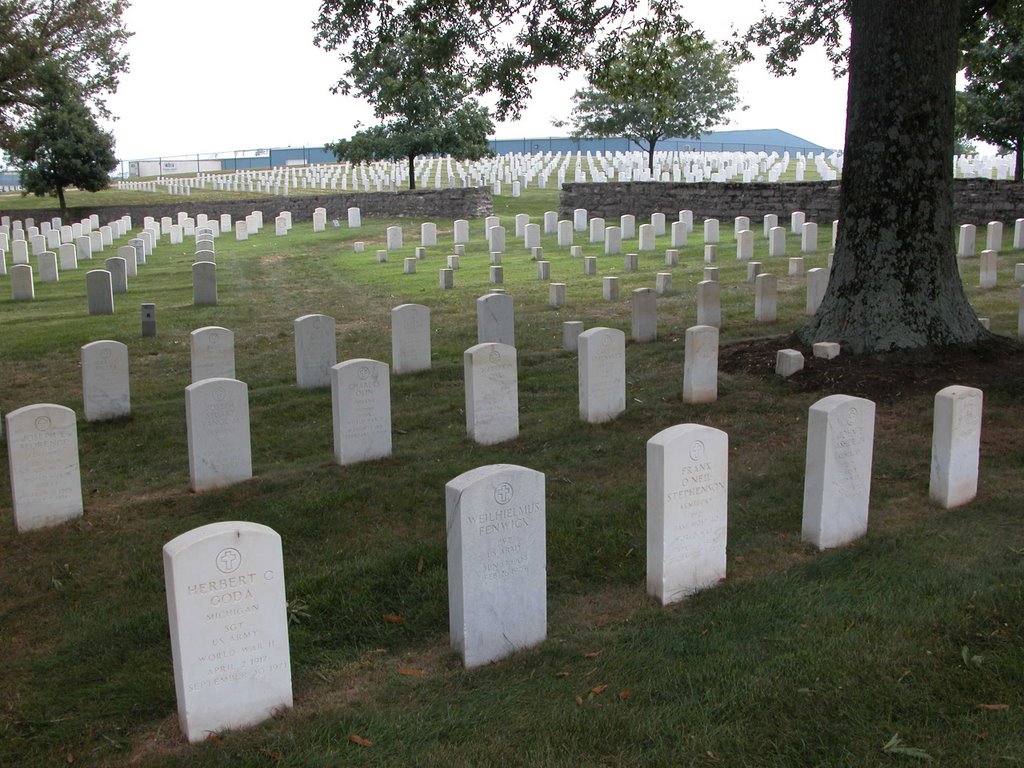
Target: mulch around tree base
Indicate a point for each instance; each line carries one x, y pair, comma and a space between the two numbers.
996, 364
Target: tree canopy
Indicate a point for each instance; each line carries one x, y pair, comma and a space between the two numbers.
83, 39
991, 107
659, 82
62, 146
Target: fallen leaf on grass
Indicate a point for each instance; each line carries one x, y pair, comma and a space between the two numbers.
591, 654
992, 707
625, 694
394, 618
896, 746
561, 674
409, 671
213, 738
360, 741
597, 690
275, 755
579, 701
419, 566
70, 758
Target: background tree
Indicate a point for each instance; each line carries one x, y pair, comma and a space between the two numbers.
461, 133
81, 38
895, 282
661, 81
991, 107
62, 146
424, 103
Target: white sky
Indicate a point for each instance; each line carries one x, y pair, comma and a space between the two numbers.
220, 75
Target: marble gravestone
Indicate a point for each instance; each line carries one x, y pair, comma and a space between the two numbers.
837, 478
700, 365
687, 504
212, 351
956, 442
42, 453
410, 338
228, 619
492, 393
497, 562
495, 319
602, 374
106, 392
217, 422
361, 406
316, 350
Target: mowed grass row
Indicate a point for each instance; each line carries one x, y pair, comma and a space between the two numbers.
799, 658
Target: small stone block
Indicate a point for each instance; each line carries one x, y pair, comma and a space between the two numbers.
826, 350
788, 362
148, 319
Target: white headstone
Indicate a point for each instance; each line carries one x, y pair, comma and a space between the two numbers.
99, 292
709, 303
965, 246
410, 338
42, 453
213, 353
956, 440
461, 233
361, 406
316, 350
766, 292
837, 479
204, 283
817, 284
687, 510
492, 393
228, 619
497, 563
394, 235
809, 238
645, 315
602, 374
710, 230
48, 272
994, 236
105, 386
22, 286
495, 319
428, 234
700, 365
745, 245
217, 422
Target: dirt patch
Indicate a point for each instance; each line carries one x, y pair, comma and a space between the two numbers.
994, 365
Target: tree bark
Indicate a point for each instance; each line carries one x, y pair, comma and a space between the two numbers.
650, 156
895, 282
63, 203
412, 171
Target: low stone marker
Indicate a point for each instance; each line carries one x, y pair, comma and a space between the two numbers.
316, 350
700, 365
796, 266
492, 393
571, 330
204, 283
228, 620
495, 319
106, 391
687, 510
217, 422
361, 407
826, 350
956, 441
446, 278
556, 295
610, 288
410, 338
42, 453
99, 292
663, 283
788, 362
837, 478
212, 351
710, 254
497, 562
602, 374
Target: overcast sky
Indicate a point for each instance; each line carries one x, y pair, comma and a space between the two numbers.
220, 75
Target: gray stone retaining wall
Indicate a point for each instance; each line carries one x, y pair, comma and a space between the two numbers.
976, 201
420, 203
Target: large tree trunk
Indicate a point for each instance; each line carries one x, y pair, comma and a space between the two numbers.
63, 204
412, 171
895, 282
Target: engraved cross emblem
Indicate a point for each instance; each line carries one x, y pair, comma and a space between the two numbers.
228, 560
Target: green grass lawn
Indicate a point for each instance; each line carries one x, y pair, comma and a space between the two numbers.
798, 658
